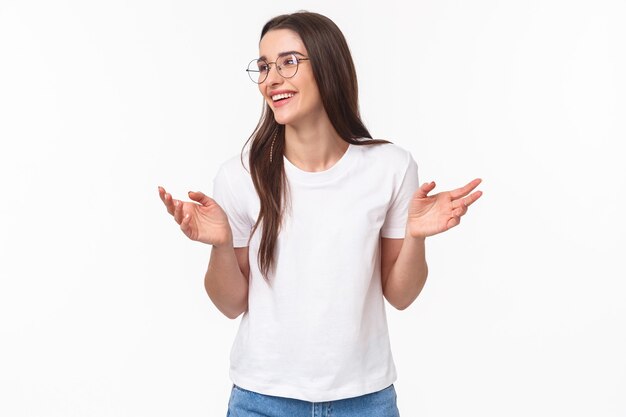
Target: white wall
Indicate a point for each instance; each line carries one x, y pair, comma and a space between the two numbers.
102, 305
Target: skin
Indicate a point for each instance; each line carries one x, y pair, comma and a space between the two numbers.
312, 144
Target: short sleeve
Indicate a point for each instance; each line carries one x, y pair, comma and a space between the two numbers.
398, 211
235, 208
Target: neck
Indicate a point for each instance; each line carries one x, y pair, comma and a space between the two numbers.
316, 147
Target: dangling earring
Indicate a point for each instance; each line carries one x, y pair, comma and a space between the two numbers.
272, 146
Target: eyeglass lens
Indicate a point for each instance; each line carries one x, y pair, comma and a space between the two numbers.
258, 69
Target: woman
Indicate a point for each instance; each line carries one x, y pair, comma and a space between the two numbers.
310, 231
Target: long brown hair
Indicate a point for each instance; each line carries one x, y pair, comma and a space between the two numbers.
335, 76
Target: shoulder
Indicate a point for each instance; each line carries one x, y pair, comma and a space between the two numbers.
235, 163
235, 168
235, 172
388, 155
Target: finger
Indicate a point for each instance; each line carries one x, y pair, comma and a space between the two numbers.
163, 195
184, 225
470, 199
178, 211
427, 187
454, 221
169, 203
200, 197
465, 190
459, 203
460, 206
459, 211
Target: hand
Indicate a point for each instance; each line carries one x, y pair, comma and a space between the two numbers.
429, 215
205, 222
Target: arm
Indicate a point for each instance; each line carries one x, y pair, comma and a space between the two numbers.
226, 279
403, 270
403, 261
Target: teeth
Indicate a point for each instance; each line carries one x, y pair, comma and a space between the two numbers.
281, 96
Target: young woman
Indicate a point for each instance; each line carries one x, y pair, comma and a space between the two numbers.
310, 231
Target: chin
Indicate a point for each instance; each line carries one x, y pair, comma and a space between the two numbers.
279, 120
283, 119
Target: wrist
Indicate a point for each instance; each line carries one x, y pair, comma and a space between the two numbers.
223, 246
226, 241
417, 237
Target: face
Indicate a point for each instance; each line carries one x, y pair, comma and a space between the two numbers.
305, 104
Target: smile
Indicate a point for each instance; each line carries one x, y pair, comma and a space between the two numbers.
282, 96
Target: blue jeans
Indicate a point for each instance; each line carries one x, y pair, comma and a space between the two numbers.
244, 403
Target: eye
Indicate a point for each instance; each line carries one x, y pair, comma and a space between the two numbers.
289, 61
263, 67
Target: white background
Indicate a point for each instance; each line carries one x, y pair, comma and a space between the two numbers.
102, 306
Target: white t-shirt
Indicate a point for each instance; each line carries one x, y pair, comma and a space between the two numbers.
318, 331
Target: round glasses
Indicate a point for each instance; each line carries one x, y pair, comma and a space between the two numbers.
286, 66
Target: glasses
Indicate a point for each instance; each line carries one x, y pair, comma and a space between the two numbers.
286, 66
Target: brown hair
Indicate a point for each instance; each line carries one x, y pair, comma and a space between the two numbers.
335, 76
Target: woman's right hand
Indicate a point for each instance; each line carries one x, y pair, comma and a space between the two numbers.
204, 222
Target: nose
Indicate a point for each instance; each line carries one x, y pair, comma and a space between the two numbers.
273, 77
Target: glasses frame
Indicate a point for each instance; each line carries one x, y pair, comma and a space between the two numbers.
269, 66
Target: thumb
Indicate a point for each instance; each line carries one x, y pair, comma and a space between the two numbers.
427, 187
201, 198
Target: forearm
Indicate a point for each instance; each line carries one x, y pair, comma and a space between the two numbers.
224, 282
408, 274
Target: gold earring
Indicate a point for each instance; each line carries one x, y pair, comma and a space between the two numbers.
272, 146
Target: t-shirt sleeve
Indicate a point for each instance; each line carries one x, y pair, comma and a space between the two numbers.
398, 211
235, 209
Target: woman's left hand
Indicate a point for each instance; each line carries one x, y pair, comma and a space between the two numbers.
429, 215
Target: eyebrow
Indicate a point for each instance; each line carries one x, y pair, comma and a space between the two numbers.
264, 58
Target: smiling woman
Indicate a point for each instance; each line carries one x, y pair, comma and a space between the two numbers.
311, 232
282, 87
